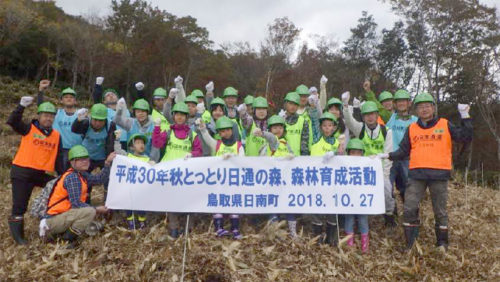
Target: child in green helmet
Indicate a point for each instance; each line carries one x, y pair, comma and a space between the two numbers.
250, 121
333, 106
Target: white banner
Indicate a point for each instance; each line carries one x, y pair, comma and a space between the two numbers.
249, 185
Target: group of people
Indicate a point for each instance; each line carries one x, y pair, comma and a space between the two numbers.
416, 151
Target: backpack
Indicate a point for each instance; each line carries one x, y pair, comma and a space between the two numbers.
40, 204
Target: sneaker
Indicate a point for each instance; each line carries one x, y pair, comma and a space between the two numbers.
222, 232
142, 224
131, 224
236, 234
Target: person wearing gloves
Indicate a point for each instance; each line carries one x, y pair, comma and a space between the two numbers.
226, 147
377, 140
428, 144
196, 110
141, 124
179, 142
384, 102
109, 97
201, 99
277, 146
136, 146
333, 106
98, 136
356, 147
297, 126
39, 153
302, 110
398, 123
64, 118
230, 97
159, 100
68, 213
250, 123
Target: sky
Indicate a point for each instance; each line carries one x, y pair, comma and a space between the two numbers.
236, 20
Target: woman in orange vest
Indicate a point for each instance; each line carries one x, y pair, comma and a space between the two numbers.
39, 153
428, 144
67, 210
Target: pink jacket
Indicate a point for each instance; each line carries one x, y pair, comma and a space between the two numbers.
181, 131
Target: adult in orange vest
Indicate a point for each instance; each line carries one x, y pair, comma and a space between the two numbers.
428, 144
39, 153
67, 211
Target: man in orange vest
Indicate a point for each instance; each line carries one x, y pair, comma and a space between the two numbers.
428, 144
39, 153
67, 211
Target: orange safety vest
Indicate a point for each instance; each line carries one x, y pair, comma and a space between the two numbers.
380, 121
58, 200
37, 150
431, 147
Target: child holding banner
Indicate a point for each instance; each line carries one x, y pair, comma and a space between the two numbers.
356, 147
225, 147
136, 145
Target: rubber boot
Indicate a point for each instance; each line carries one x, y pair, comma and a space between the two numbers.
235, 224
16, 226
332, 234
365, 243
70, 237
219, 227
411, 234
292, 228
350, 241
442, 236
317, 230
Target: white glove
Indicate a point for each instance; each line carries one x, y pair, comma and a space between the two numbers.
200, 108
178, 80
82, 113
139, 86
290, 157
313, 100
118, 134
323, 80
463, 109
121, 104
257, 132
242, 108
199, 123
328, 155
282, 114
173, 93
152, 162
210, 86
188, 156
43, 227
345, 97
226, 156
157, 121
313, 90
356, 103
26, 101
99, 80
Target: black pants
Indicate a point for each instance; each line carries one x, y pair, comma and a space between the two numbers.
23, 181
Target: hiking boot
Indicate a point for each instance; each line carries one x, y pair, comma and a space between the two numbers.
70, 236
442, 236
16, 226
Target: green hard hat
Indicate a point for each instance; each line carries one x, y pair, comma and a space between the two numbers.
328, 116
260, 102
191, 99
180, 107
197, 93
141, 104
99, 112
249, 99
109, 90
302, 90
223, 123
292, 97
275, 119
385, 95
401, 94
423, 97
68, 90
160, 92
217, 101
355, 144
136, 136
77, 151
230, 91
47, 107
369, 107
334, 101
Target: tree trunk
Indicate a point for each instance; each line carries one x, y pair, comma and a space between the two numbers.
75, 73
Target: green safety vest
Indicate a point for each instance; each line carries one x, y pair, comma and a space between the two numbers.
140, 158
223, 149
373, 146
253, 143
178, 148
206, 117
282, 150
321, 147
306, 116
238, 123
164, 125
294, 134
